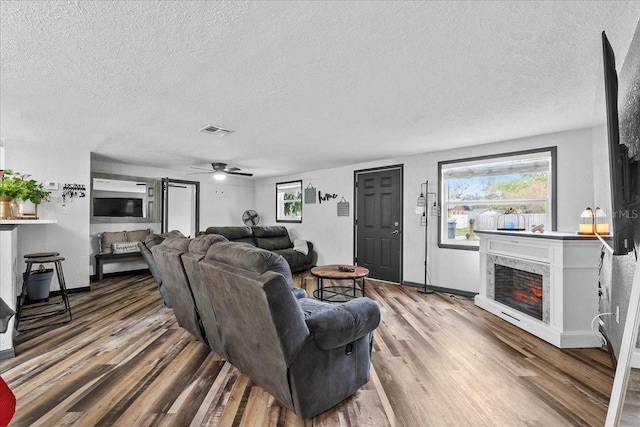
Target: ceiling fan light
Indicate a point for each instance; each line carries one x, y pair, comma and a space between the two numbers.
218, 176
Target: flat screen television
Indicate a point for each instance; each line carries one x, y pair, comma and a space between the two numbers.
117, 206
619, 162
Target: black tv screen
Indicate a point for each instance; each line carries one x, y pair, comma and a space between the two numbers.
622, 238
117, 206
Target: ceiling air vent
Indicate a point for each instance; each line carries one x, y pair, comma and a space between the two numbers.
215, 130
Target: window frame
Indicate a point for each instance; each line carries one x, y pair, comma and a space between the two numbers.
280, 187
553, 152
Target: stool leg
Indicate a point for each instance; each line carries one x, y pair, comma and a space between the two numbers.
23, 294
63, 288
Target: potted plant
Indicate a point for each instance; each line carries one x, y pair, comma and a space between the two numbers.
17, 187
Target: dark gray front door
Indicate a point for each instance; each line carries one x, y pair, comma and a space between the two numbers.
378, 222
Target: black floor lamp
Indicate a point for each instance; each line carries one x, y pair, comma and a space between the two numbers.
421, 206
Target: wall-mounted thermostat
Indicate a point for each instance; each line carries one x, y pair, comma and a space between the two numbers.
50, 185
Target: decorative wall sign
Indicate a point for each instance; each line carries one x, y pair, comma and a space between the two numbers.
343, 207
310, 194
326, 197
69, 191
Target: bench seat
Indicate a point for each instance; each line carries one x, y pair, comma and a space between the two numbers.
121, 257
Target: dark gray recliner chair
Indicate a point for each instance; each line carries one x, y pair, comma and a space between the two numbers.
309, 355
198, 248
178, 259
168, 258
145, 249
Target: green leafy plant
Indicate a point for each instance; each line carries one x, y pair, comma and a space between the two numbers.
20, 187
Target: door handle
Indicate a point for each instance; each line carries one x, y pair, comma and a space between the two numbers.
395, 232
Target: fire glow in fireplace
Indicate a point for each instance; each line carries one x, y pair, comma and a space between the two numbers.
519, 289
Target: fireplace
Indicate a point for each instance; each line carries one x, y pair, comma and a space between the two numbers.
545, 284
519, 289
520, 284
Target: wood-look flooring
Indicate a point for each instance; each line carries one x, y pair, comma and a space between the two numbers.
438, 360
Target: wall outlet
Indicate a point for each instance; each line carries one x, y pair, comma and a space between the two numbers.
617, 314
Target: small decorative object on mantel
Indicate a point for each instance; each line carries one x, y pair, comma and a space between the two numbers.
343, 207
310, 195
587, 224
539, 228
600, 221
511, 221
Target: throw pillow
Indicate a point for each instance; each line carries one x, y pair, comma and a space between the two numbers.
137, 235
124, 247
108, 238
301, 246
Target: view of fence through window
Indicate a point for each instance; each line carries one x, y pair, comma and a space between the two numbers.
512, 192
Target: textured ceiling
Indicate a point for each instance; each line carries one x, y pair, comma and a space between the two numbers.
304, 85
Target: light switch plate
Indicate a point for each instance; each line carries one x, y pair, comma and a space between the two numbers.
50, 185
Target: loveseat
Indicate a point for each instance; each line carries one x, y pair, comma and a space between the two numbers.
276, 239
308, 354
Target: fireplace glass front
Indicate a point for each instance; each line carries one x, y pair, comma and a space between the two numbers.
518, 289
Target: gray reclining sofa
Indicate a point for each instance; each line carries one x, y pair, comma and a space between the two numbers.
310, 355
274, 238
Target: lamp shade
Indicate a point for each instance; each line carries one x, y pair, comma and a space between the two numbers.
435, 210
600, 221
587, 223
421, 200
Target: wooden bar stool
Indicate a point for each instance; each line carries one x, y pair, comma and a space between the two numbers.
43, 258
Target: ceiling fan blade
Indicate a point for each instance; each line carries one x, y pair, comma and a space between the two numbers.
199, 173
232, 169
201, 169
239, 173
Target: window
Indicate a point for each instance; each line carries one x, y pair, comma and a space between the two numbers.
512, 191
289, 201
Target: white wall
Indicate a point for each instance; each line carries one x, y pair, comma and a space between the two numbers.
70, 235
221, 203
459, 269
331, 235
449, 268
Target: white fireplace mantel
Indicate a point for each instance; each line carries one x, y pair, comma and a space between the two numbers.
572, 301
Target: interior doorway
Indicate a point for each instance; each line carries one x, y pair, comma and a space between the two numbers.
378, 222
181, 206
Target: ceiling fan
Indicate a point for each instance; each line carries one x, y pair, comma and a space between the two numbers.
219, 170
